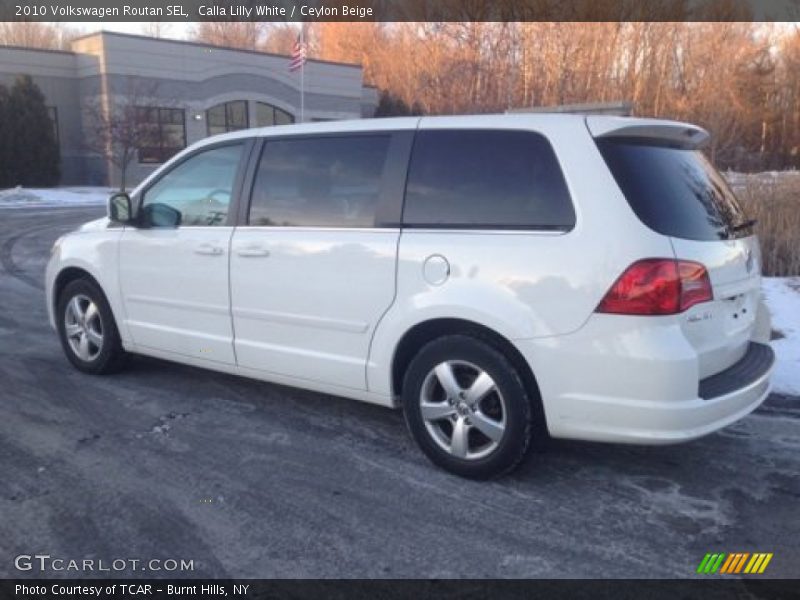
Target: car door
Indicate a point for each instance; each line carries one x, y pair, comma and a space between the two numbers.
313, 270
174, 265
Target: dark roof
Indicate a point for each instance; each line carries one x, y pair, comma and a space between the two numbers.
32, 49
204, 45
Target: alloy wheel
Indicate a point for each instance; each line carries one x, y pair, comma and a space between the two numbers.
83, 327
462, 409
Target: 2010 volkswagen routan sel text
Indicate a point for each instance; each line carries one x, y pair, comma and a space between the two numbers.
500, 278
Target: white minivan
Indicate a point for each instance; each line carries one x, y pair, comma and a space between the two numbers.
501, 278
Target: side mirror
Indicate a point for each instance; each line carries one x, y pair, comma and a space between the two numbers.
119, 208
160, 215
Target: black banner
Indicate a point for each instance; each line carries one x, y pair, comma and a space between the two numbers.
722, 589
98, 11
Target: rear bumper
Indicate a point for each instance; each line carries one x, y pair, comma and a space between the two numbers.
754, 366
615, 420
640, 385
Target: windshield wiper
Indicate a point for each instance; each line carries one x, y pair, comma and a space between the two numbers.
745, 225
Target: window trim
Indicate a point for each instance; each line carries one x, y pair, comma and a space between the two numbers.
497, 227
237, 191
393, 180
161, 133
490, 227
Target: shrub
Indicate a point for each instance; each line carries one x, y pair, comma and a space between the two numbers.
774, 200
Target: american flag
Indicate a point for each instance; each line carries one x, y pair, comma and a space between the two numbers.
298, 55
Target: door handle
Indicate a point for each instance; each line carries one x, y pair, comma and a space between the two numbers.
252, 251
209, 250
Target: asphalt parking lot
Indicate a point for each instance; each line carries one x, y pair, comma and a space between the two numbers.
249, 479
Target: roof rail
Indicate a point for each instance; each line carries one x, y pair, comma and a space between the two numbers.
620, 109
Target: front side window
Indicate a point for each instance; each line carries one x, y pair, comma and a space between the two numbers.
320, 182
199, 188
488, 179
268, 115
161, 131
229, 116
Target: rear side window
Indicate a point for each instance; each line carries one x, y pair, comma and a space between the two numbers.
673, 191
320, 181
486, 179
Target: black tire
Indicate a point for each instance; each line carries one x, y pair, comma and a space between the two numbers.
465, 352
109, 357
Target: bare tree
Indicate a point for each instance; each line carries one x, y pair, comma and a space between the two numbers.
119, 127
29, 34
739, 79
157, 29
279, 38
247, 35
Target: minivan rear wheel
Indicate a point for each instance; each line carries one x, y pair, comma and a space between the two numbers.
467, 407
87, 329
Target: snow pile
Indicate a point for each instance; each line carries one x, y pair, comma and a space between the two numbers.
49, 197
782, 295
738, 181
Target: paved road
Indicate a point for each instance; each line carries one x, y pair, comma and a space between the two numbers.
249, 479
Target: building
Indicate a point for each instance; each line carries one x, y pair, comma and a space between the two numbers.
183, 91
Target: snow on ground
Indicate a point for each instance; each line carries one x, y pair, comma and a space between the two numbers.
20, 197
782, 295
739, 180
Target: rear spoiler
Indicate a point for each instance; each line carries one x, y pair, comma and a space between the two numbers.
685, 135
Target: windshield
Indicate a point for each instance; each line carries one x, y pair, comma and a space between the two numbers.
673, 191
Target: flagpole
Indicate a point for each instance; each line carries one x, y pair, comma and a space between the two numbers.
302, 76
298, 61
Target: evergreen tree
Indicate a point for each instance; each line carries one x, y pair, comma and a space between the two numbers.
5, 141
35, 158
391, 105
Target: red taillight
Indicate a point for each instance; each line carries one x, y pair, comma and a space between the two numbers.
695, 284
658, 286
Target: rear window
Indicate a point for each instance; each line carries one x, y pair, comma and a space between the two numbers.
673, 191
486, 179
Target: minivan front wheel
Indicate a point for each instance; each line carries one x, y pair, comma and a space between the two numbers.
87, 329
467, 407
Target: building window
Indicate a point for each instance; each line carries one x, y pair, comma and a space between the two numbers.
52, 112
163, 133
229, 116
268, 115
